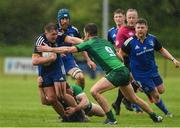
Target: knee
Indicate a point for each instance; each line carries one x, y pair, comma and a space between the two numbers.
133, 99
161, 91
93, 92
52, 99
45, 101
156, 98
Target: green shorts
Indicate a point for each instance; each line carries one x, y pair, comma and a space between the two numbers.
119, 76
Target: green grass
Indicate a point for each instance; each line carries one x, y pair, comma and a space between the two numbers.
20, 106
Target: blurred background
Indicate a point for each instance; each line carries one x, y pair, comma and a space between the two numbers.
23, 20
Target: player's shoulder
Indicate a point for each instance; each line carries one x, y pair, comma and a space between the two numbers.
128, 41
40, 39
151, 35
111, 29
73, 28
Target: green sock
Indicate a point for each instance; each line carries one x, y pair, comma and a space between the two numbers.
110, 116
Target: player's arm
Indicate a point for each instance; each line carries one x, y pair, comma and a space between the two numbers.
167, 55
73, 40
63, 49
82, 105
90, 63
37, 59
158, 47
83, 102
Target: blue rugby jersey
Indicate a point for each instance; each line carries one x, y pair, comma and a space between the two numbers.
54, 66
141, 55
112, 34
70, 31
69, 60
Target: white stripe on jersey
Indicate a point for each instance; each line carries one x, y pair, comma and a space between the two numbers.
127, 41
39, 41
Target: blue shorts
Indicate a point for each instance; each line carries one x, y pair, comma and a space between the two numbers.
69, 62
149, 84
50, 78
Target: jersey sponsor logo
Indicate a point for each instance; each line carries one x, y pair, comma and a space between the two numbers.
142, 52
137, 47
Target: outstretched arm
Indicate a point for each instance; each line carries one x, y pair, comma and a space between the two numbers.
167, 55
63, 49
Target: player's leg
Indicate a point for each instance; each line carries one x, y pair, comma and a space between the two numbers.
101, 86
130, 95
160, 89
60, 88
159, 84
52, 99
77, 73
42, 95
95, 110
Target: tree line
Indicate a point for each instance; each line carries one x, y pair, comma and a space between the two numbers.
22, 20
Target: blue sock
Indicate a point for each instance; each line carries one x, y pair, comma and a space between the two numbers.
162, 106
136, 107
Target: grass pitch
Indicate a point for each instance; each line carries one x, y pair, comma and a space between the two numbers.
20, 106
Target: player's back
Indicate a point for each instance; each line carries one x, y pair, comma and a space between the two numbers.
103, 52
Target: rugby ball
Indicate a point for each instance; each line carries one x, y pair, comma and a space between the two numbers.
46, 55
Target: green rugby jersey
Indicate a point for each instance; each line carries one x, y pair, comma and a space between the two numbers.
102, 52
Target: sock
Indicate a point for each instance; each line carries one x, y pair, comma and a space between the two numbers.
119, 98
162, 106
137, 107
110, 116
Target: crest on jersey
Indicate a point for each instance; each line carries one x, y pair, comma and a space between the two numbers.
151, 43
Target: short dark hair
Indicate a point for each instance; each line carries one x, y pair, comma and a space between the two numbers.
142, 21
119, 11
50, 26
91, 28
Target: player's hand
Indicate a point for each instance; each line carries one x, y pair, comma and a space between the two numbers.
70, 111
91, 64
44, 48
176, 63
